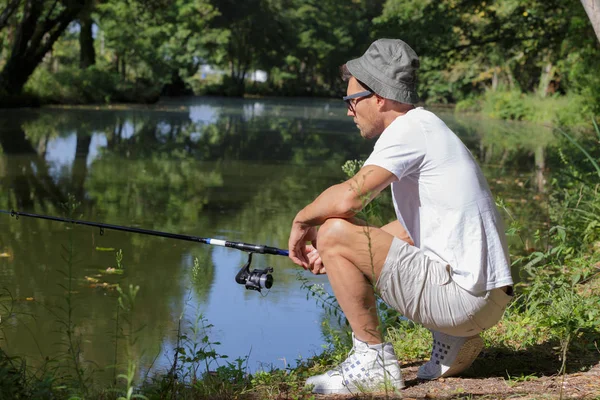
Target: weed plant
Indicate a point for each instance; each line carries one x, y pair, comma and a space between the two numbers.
558, 297
130, 332
72, 340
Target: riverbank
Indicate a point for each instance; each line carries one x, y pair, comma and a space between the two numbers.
73, 86
572, 111
94, 86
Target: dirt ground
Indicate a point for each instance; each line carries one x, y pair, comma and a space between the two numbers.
488, 378
580, 385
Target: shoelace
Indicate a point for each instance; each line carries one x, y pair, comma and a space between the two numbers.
350, 362
347, 362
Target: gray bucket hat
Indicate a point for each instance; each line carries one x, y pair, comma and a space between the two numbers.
389, 68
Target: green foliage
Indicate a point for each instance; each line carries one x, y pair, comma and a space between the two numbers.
505, 105
91, 85
555, 301
470, 104
79, 383
324, 299
12, 377
163, 42
576, 204
129, 332
569, 111
12, 370
196, 351
467, 48
470, 46
32, 28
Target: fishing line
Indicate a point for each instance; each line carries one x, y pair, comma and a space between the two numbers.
256, 279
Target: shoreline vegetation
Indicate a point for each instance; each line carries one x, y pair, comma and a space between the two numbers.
567, 111
546, 346
518, 60
96, 87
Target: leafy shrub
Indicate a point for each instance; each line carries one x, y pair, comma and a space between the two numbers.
88, 86
505, 105
470, 104
569, 110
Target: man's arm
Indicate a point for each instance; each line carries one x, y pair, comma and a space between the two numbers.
342, 201
346, 199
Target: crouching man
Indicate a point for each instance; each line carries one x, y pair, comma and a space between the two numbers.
443, 262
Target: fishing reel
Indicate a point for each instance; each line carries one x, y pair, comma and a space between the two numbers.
256, 279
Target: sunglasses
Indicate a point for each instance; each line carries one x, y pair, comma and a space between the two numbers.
353, 99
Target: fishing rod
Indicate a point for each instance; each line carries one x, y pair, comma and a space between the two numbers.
256, 279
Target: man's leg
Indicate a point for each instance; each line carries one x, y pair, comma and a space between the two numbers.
354, 256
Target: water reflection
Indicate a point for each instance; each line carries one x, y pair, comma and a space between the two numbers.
223, 168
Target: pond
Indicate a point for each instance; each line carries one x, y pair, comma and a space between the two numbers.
208, 167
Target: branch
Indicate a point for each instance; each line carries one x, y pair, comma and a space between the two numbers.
8, 12
63, 20
31, 13
51, 31
50, 10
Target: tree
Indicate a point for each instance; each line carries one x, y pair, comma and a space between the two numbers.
42, 22
250, 31
87, 53
592, 8
469, 45
161, 40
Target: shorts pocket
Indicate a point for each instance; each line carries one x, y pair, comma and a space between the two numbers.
492, 311
438, 273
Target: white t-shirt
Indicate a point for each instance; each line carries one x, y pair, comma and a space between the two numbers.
443, 200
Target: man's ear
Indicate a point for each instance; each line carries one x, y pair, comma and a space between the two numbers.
382, 103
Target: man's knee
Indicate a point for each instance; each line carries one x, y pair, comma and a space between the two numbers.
333, 232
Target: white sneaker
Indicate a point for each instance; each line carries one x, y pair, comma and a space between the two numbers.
367, 368
450, 355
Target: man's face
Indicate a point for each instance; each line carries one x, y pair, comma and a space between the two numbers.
364, 111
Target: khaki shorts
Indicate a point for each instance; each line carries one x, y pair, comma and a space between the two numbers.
423, 291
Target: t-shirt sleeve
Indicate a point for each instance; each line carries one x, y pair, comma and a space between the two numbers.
400, 151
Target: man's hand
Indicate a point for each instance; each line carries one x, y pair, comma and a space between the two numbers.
315, 264
299, 235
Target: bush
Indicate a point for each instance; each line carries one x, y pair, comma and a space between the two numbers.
571, 110
471, 104
505, 105
88, 86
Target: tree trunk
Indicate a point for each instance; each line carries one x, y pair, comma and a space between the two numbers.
592, 8
34, 38
123, 68
545, 79
495, 80
510, 77
87, 54
540, 166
